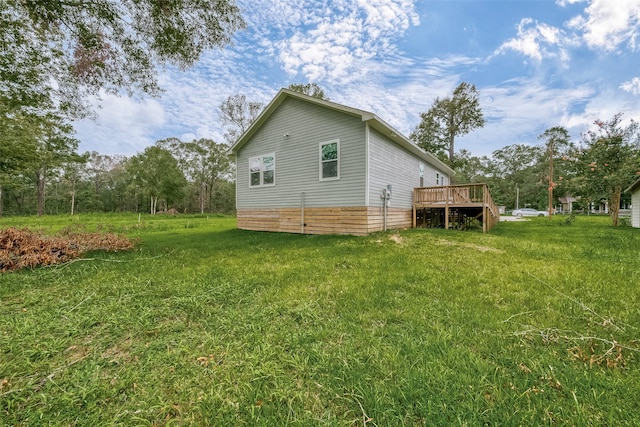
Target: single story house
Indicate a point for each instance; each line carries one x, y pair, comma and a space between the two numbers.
634, 189
308, 165
566, 203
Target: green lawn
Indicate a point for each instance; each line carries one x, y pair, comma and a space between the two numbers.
536, 323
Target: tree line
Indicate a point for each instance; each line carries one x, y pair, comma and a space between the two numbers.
172, 175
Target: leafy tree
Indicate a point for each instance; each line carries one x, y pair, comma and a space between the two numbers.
556, 140
608, 161
211, 167
513, 159
103, 174
204, 162
19, 132
515, 170
71, 48
72, 176
18, 138
237, 114
448, 118
51, 147
24, 84
118, 183
157, 172
223, 198
469, 168
311, 89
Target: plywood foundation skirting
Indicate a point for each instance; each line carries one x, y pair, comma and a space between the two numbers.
338, 220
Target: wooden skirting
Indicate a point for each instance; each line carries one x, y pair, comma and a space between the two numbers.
338, 220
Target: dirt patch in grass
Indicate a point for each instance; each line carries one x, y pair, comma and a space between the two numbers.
119, 352
468, 246
397, 239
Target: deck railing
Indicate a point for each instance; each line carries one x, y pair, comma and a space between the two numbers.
458, 195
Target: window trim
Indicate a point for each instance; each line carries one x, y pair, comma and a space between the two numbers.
337, 160
421, 174
262, 170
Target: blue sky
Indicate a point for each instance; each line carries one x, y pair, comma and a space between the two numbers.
536, 63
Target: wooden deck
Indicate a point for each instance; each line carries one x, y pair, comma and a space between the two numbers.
454, 206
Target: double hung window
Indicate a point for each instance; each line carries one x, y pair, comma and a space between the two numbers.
262, 170
330, 160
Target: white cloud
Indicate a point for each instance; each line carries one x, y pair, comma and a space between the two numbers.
537, 41
607, 24
330, 43
268, 16
603, 105
123, 125
632, 86
564, 3
519, 110
398, 89
188, 108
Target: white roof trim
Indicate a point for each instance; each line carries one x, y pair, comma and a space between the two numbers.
633, 186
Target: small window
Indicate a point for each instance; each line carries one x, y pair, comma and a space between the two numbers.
437, 178
262, 170
269, 170
421, 175
330, 160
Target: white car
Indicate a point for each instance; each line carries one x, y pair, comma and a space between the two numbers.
529, 212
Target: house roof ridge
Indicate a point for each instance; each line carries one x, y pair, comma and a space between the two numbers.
326, 102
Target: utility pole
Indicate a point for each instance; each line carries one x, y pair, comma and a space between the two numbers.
550, 177
555, 136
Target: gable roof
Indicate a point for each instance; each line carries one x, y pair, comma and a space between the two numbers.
633, 187
568, 199
374, 122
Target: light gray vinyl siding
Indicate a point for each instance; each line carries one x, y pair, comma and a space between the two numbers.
391, 164
297, 158
635, 208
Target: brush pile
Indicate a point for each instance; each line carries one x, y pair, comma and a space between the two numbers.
25, 248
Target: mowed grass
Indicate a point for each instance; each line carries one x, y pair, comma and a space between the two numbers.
536, 323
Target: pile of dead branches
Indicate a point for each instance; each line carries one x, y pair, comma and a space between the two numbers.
25, 248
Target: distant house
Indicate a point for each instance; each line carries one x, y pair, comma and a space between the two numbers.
634, 189
313, 166
566, 203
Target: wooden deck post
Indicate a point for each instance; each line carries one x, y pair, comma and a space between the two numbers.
413, 219
446, 208
484, 209
484, 219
